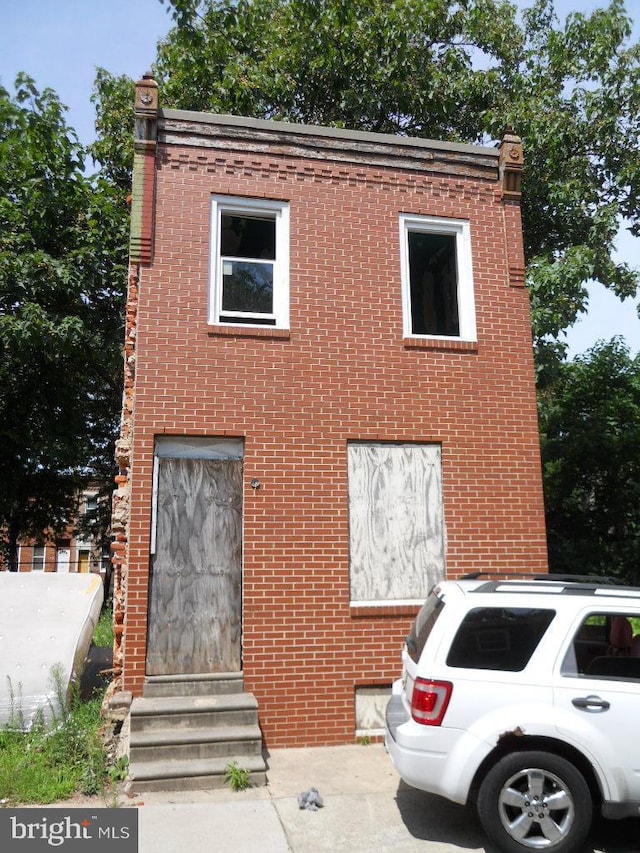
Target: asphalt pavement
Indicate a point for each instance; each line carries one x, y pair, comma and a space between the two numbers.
366, 807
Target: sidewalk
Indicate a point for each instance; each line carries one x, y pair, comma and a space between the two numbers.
366, 807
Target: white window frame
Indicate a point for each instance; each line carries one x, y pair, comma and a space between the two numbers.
235, 206
39, 561
460, 229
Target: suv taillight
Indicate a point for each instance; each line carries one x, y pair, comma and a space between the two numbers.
429, 701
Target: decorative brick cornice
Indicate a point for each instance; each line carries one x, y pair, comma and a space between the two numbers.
144, 171
324, 144
511, 165
285, 172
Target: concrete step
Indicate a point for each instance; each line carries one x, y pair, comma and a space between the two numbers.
187, 744
186, 712
184, 737
197, 774
206, 684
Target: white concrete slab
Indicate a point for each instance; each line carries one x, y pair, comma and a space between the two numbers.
243, 826
47, 621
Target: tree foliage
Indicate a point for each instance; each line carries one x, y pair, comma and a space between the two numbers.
113, 147
590, 428
404, 66
458, 71
62, 280
576, 103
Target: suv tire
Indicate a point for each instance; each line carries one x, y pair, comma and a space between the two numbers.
535, 801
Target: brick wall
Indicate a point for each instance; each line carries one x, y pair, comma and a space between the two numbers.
342, 372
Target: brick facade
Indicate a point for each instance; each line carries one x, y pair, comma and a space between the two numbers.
81, 546
341, 372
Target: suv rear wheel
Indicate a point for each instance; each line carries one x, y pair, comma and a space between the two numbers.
535, 801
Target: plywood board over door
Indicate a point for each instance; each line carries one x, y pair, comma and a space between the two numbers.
195, 603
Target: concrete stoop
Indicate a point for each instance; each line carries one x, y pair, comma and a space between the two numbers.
187, 730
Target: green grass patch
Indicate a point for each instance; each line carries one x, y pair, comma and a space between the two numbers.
56, 759
65, 755
103, 634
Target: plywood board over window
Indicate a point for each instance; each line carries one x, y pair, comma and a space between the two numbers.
396, 518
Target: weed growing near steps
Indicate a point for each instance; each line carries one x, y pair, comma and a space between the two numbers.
119, 770
103, 634
236, 777
52, 761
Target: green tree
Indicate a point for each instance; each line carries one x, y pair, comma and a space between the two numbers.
113, 147
405, 66
458, 71
590, 429
62, 279
575, 99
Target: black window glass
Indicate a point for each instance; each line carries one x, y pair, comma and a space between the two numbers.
423, 624
248, 237
434, 284
607, 645
498, 637
248, 252
247, 287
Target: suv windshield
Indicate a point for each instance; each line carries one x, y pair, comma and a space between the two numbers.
423, 625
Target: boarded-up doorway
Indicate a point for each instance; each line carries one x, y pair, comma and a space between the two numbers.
195, 600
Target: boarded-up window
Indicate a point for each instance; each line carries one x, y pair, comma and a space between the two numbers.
397, 537
371, 704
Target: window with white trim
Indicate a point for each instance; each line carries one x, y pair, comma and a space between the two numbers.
250, 262
37, 558
437, 278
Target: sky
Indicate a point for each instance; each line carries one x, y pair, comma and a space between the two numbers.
60, 43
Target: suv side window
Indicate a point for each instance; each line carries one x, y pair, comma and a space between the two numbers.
606, 645
423, 624
499, 637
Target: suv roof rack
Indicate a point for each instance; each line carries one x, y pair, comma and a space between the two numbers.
601, 580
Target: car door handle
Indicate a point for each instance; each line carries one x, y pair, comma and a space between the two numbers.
593, 704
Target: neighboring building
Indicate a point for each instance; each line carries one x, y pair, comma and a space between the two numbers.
69, 551
329, 405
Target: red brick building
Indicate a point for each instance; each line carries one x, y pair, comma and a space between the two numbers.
82, 547
329, 405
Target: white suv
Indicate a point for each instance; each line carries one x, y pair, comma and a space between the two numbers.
523, 696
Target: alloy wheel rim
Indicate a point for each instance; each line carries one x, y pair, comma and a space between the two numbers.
536, 809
